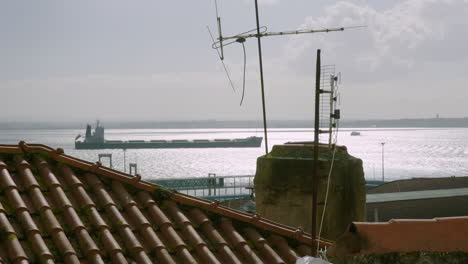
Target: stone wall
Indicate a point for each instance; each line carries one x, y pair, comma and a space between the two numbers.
283, 188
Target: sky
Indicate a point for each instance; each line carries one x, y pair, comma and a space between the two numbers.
152, 60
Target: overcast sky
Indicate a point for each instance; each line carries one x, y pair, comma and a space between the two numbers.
152, 60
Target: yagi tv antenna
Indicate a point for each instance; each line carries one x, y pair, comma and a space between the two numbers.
258, 32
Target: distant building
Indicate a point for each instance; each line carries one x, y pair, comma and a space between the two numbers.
418, 198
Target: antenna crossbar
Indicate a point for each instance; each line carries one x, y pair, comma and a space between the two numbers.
281, 33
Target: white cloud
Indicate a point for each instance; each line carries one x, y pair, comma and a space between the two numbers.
409, 33
401, 65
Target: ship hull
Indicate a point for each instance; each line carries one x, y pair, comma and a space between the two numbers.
251, 142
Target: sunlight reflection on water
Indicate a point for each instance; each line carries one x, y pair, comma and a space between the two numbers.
407, 152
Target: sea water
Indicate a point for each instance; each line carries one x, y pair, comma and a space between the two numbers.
406, 153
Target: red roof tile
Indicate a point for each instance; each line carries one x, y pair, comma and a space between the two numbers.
433, 235
57, 208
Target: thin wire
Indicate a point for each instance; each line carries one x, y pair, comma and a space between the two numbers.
328, 185
243, 81
222, 62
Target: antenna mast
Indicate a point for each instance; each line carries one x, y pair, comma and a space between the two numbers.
260, 32
261, 78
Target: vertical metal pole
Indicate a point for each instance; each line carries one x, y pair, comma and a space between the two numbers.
383, 169
332, 88
316, 150
261, 78
214, 181
209, 184
125, 160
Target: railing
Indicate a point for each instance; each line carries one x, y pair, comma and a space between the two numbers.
212, 187
221, 188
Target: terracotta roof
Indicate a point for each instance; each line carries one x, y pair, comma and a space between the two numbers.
432, 235
57, 208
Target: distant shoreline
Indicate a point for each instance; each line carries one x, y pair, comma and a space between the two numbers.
391, 123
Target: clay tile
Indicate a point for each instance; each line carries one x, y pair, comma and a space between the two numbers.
40, 162
88, 243
214, 204
3, 165
29, 205
255, 236
138, 217
109, 242
5, 224
151, 238
199, 217
24, 147
141, 257
16, 200
22, 164
177, 214
285, 251
15, 250
38, 199
93, 180
304, 250
6, 180
71, 258
118, 257
52, 225
95, 166
104, 199
28, 179
164, 257
260, 242
173, 237
130, 240
72, 219
63, 244
40, 247
70, 178
255, 218
83, 197
158, 216
96, 218
299, 232
193, 236
28, 223
116, 217
59, 151
122, 194
60, 197
185, 255
137, 178
145, 199
235, 238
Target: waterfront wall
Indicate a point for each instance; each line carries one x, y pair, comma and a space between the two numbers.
283, 188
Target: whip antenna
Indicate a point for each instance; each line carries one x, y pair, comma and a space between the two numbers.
220, 34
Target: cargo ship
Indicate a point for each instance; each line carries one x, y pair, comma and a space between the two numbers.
95, 140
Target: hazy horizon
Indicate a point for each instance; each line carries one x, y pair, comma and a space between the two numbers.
195, 124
